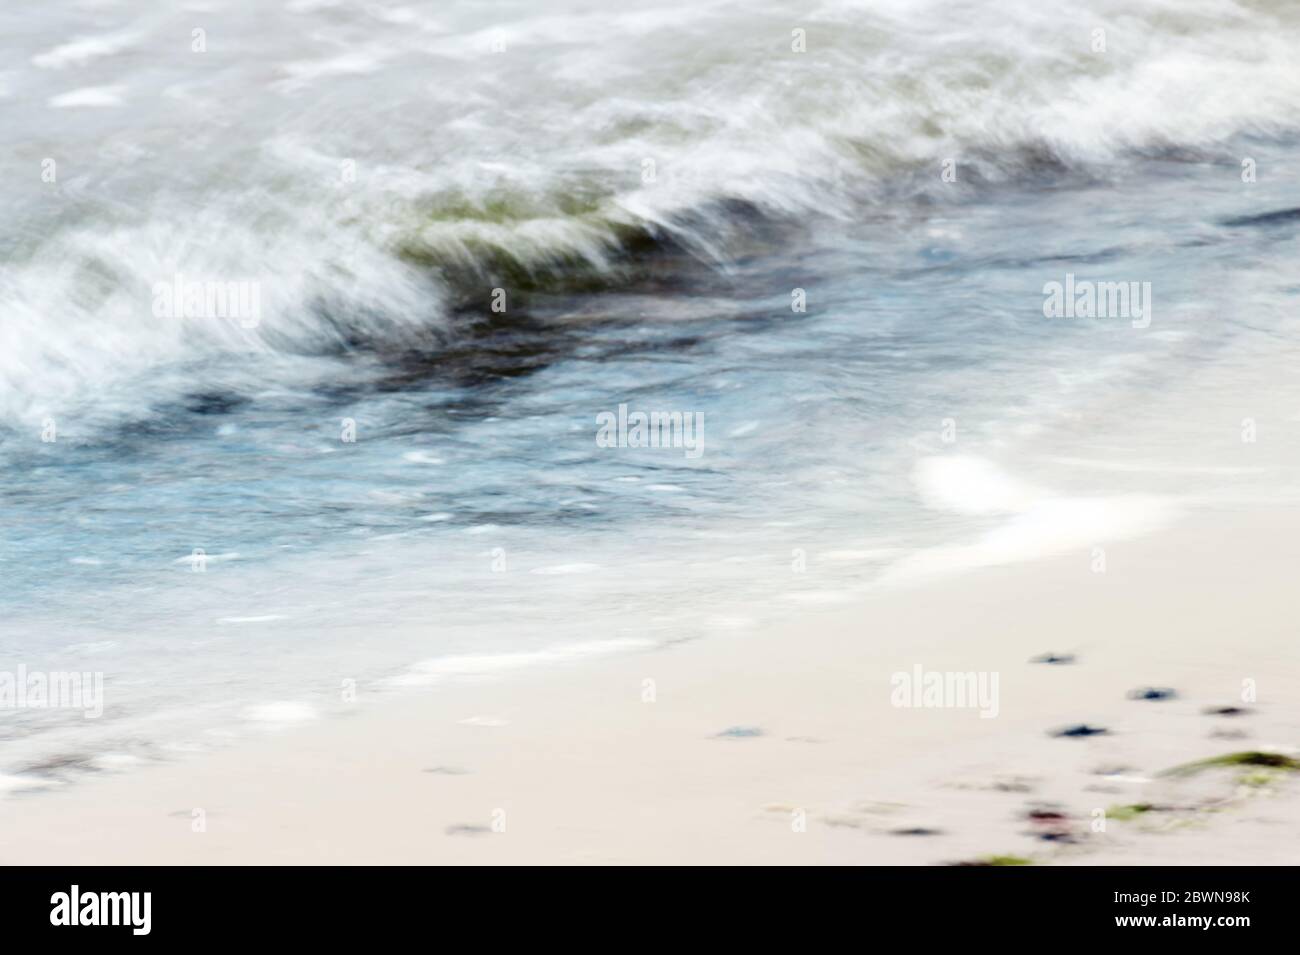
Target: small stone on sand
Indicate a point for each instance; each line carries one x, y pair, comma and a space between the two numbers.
463, 829
1056, 658
1082, 729
740, 732
1152, 693
1225, 711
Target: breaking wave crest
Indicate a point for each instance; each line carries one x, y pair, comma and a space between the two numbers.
383, 170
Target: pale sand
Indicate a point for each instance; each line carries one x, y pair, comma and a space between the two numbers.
588, 773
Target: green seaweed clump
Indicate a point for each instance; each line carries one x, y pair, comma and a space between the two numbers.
1254, 758
1125, 813
995, 860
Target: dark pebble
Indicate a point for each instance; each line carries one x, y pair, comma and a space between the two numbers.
1152, 693
1083, 729
1058, 658
1226, 711
1046, 815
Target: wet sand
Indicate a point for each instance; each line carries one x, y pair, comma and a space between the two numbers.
782, 744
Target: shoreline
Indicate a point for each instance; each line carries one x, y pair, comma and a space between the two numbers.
782, 744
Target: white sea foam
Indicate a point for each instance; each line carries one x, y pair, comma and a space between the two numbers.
440, 669
84, 49
969, 485
201, 559
12, 784
565, 569
93, 96
351, 213
853, 556
1032, 522
280, 712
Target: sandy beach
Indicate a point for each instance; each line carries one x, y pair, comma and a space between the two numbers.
732, 433
783, 745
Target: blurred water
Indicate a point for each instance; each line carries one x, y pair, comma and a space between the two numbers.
474, 523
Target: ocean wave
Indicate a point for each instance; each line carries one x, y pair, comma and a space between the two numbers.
373, 172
